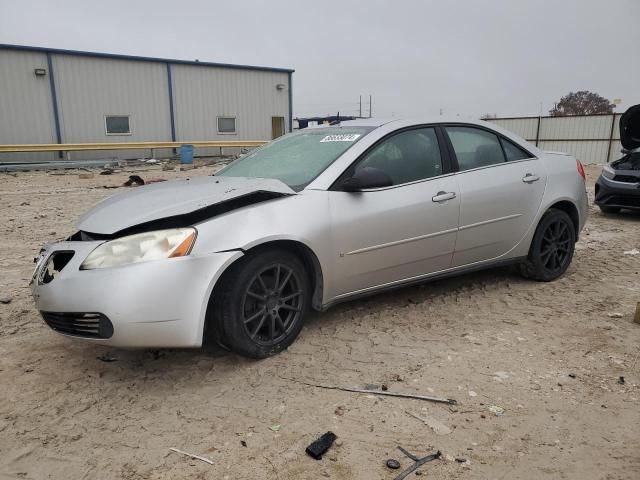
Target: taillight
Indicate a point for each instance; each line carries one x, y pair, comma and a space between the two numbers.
581, 170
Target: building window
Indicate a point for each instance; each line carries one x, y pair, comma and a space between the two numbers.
117, 125
227, 125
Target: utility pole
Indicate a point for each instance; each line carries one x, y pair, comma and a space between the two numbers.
370, 103
360, 106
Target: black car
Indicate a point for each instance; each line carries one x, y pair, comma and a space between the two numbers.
618, 186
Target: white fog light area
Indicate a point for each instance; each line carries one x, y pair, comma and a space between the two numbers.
142, 247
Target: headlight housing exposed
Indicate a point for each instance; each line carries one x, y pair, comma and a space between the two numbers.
141, 247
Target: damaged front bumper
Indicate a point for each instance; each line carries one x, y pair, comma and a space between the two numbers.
155, 304
618, 194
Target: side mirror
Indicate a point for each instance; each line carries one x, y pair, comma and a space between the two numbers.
367, 177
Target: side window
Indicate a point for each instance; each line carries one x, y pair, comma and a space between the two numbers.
227, 125
513, 152
117, 125
475, 147
407, 156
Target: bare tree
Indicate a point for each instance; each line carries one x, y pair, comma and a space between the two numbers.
583, 102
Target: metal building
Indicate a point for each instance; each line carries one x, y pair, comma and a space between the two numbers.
64, 96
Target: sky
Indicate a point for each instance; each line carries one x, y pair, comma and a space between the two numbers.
414, 57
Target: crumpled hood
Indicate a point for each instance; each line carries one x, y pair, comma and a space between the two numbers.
168, 199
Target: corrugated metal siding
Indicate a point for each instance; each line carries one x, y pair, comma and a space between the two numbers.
524, 127
587, 127
26, 109
203, 94
585, 137
90, 88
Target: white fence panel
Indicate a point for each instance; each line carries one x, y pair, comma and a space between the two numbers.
524, 127
589, 138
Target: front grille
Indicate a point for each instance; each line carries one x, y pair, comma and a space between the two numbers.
626, 201
627, 178
88, 325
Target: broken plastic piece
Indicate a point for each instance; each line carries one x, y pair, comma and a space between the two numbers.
321, 445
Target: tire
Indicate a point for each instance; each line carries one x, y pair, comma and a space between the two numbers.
552, 247
252, 315
604, 209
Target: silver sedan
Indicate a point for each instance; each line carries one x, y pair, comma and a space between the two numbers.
317, 217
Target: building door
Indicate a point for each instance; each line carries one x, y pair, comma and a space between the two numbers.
277, 127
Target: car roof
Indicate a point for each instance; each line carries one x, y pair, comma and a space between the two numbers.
378, 122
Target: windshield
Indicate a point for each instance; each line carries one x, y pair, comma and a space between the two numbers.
297, 158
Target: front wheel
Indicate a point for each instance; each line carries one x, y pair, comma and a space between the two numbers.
260, 306
552, 247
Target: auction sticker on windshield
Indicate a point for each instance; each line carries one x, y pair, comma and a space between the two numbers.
351, 137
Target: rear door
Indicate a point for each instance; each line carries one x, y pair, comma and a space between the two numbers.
394, 233
501, 189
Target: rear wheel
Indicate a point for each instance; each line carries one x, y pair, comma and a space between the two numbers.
604, 209
552, 247
260, 306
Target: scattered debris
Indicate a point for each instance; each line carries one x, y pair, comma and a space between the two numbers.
417, 462
5, 299
275, 428
152, 161
107, 357
243, 443
197, 457
620, 380
134, 180
472, 393
496, 410
572, 375
633, 251
449, 401
461, 460
85, 176
106, 172
636, 317
393, 464
24, 204
615, 315
321, 445
437, 426
338, 443
156, 180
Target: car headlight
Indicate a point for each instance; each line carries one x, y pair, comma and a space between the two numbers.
141, 247
608, 172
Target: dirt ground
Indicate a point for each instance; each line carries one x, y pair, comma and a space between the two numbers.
551, 355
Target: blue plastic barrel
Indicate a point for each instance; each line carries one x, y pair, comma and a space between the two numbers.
186, 154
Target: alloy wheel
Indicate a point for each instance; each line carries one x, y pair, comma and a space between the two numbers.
272, 304
555, 249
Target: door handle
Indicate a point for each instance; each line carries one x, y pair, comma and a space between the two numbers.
530, 178
443, 196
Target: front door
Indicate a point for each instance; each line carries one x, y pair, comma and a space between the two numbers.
501, 189
400, 232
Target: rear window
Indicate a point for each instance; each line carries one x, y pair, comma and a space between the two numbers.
513, 152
